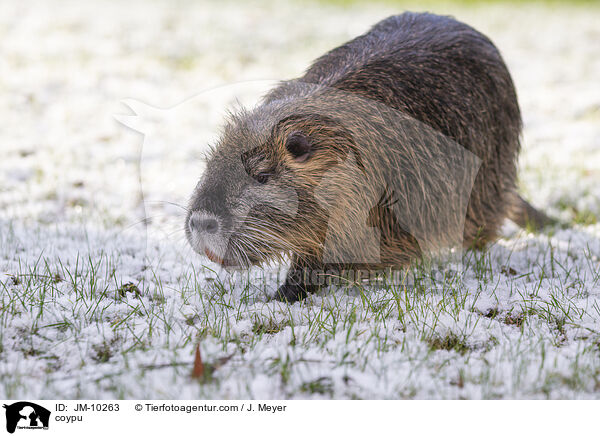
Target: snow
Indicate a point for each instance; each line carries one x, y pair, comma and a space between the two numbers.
74, 247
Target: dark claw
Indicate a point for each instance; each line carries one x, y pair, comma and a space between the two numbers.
290, 293
297, 283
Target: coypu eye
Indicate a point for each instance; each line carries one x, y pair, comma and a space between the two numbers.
262, 178
297, 144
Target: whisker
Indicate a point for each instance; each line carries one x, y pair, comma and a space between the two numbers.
167, 202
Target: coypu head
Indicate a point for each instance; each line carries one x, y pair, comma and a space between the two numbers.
255, 201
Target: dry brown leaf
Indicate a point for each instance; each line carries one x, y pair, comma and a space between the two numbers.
198, 371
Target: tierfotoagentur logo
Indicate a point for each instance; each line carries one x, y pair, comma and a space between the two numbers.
26, 416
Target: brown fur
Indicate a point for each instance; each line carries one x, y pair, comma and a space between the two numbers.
422, 107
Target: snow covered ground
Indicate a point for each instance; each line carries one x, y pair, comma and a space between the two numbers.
95, 304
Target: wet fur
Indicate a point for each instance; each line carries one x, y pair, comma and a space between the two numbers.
430, 68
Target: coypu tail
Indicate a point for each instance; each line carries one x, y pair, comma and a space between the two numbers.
528, 217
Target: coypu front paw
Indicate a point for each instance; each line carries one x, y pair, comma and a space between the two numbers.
297, 283
291, 293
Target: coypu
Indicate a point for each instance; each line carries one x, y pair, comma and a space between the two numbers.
410, 130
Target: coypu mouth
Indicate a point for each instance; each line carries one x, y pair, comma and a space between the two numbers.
216, 259
233, 262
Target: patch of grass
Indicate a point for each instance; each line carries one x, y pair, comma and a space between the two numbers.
283, 367
449, 342
582, 217
322, 386
508, 271
515, 319
268, 327
104, 351
585, 218
128, 288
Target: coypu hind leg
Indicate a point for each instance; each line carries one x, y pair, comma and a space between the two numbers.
484, 229
479, 232
523, 214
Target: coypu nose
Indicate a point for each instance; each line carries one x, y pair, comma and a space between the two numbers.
209, 225
202, 223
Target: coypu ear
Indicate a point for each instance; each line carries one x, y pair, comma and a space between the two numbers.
299, 146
